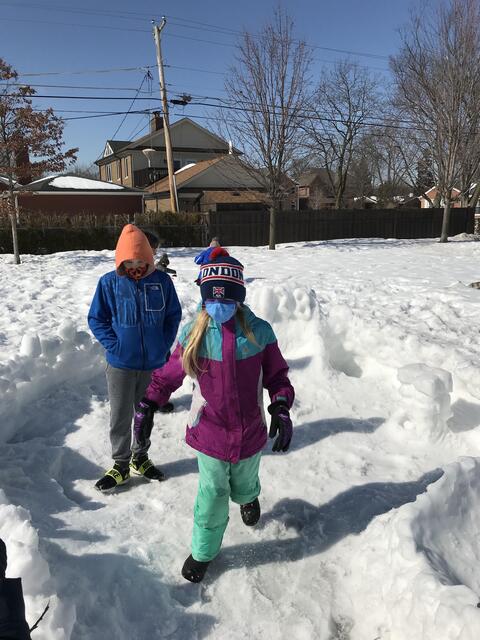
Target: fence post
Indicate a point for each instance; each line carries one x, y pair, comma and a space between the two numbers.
271, 235
205, 232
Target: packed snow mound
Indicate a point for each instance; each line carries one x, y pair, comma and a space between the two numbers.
25, 561
421, 563
42, 365
425, 399
292, 312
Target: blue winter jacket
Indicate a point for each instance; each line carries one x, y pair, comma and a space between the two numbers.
136, 321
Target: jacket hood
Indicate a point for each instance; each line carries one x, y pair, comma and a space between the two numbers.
133, 245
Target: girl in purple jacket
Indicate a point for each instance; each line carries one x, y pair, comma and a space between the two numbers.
231, 356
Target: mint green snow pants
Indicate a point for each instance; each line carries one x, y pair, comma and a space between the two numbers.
219, 481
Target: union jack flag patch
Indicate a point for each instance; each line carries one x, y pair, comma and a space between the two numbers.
218, 292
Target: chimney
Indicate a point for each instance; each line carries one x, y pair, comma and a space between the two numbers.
23, 167
156, 121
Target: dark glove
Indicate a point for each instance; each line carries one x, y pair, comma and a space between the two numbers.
281, 424
3, 559
143, 420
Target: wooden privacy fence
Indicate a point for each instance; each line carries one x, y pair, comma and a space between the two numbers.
41, 240
251, 228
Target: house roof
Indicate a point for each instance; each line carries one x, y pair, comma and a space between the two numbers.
146, 139
146, 142
307, 178
68, 183
116, 145
223, 173
434, 188
184, 175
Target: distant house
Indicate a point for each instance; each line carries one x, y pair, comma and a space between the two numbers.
365, 202
220, 183
141, 162
315, 190
72, 195
432, 194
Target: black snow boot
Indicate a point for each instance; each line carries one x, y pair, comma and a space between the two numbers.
113, 477
143, 466
250, 512
194, 570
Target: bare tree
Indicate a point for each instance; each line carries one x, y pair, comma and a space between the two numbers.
89, 171
30, 141
267, 93
344, 102
437, 75
393, 156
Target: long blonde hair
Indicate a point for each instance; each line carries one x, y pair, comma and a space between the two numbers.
195, 337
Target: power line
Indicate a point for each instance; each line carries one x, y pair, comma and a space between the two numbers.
218, 73
96, 114
147, 76
225, 104
122, 15
136, 131
85, 71
75, 24
104, 115
228, 31
64, 97
181, 22
73, 86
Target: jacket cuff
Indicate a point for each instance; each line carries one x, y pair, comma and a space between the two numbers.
279, 402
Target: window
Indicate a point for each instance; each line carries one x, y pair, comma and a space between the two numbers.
117, 170
125, 167
108, 172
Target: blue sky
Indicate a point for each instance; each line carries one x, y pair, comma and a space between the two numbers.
47, 36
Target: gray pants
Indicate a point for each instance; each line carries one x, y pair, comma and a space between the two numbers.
126, 387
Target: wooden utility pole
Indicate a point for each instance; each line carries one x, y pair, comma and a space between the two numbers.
166, 124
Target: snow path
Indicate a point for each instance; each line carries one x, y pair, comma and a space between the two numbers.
349, 315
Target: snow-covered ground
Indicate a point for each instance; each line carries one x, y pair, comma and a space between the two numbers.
370, 526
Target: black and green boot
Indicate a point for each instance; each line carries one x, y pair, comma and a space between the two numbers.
115, 476
143, 466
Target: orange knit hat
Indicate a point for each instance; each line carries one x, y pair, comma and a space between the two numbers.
132, 245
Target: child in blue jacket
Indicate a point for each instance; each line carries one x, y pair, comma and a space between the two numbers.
135, 315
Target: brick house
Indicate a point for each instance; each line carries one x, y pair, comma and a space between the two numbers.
432, 194
72, 195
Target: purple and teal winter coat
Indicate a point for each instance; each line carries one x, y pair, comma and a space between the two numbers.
226, 419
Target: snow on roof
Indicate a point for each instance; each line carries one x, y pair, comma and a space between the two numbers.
187, 166
74, 182
45, 178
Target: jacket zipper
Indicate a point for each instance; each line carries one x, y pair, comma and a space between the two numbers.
139, 309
